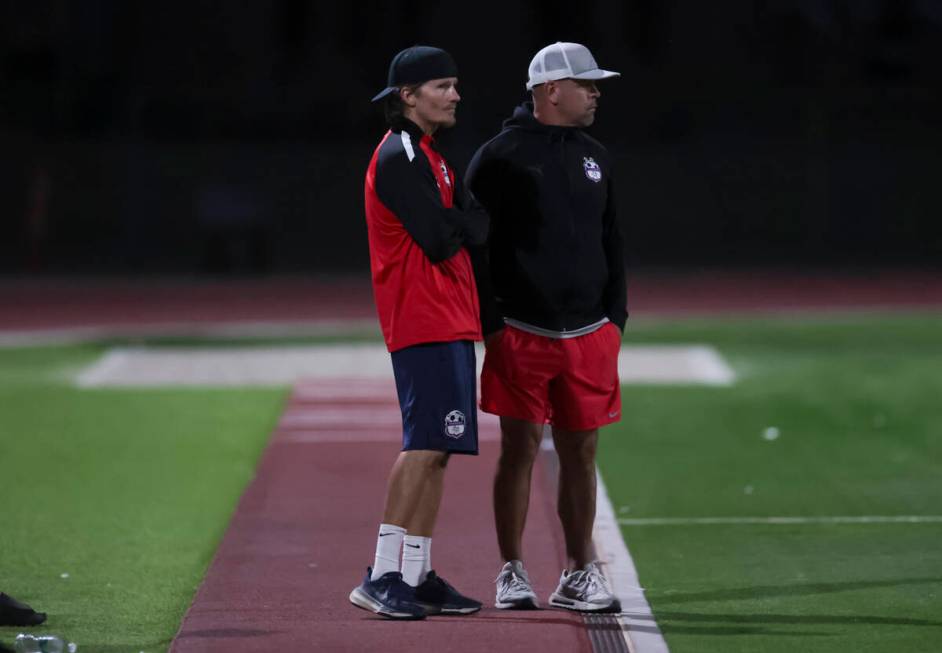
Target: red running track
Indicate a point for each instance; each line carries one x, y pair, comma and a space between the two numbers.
305, 530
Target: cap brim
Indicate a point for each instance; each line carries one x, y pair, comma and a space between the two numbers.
386, 91
598, 73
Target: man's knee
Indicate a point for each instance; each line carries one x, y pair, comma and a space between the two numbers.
428, 459
520, 442
576, 447
438, 460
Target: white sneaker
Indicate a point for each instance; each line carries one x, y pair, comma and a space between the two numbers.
513, 588
585, 590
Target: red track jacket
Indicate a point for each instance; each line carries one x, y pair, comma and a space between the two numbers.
423, 281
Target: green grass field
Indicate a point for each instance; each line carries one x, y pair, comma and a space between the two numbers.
857, 407
129, 491
126, 491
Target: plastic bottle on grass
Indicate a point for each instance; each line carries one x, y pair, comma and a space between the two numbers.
26, 643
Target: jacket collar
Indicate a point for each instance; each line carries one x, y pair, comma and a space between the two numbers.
403, 124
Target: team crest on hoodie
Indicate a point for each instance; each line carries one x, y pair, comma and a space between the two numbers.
592, 169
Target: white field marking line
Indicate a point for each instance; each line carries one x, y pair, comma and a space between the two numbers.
356, 363
713, 368
710, 521
673, 364
98, 374
620, 569
228, 366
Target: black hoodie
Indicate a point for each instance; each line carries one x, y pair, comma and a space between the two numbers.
555, 250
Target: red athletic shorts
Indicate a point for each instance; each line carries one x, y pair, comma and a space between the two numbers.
569, 382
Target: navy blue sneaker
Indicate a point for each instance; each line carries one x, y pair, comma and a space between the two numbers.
437, 596
388, 596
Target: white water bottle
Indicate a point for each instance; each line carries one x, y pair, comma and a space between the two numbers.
26, 643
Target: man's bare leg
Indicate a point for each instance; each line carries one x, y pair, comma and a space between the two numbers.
414, 491
520, 443
576, 500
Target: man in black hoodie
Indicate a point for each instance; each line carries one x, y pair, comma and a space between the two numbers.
553, 309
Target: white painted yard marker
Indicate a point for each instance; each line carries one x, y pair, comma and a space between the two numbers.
355, 363
673, 365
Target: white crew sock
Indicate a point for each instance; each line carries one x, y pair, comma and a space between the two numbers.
416, 559
388, 543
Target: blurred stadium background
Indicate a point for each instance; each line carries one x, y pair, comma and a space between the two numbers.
217, 138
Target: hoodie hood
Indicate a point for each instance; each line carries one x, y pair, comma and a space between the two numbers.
522, 118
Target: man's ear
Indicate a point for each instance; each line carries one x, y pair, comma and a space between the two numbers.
407, 95
545, 92
552, 92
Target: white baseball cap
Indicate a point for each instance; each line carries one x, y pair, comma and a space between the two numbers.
565, 61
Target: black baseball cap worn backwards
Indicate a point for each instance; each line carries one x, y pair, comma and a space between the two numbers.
415, 65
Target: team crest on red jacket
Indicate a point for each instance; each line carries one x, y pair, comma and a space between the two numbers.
454, 424
445, 173
592, 169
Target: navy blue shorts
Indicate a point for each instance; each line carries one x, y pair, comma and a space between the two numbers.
438, 396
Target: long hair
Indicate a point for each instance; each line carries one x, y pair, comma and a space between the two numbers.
393, 108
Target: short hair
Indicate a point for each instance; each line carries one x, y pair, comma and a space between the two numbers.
393, 108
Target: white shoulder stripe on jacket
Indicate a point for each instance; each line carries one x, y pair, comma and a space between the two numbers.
407, 144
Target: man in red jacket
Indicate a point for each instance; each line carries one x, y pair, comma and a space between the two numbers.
419, 233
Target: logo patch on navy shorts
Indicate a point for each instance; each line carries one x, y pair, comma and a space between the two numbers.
454, 424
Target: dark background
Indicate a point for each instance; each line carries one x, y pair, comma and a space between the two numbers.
232, 138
